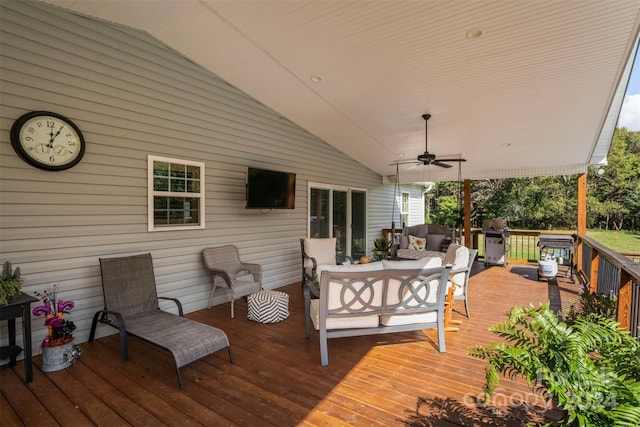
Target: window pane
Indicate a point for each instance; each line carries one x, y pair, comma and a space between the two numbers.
177, 185
193, 186
405, 203
319, 213
193, 172
358, 224
160, 203
160, 169
178, 171
176, 203
340, 221
160, 184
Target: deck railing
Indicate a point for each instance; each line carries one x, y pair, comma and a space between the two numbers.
521, 246
601, 269
606, 271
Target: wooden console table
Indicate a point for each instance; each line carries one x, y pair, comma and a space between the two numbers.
19, 306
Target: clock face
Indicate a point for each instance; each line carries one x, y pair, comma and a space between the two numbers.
47, 140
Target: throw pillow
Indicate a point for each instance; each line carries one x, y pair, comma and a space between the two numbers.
417, 243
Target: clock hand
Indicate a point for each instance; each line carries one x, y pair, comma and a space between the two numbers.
56, 135
50, 144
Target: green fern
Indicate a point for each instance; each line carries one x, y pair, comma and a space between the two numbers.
591, 368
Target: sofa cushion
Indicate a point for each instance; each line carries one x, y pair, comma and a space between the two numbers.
404, 241
397, 293
434, 241
429, 262
335, 293
371, 321
408, 319
372, 266
413, 254
419, 230
417, 243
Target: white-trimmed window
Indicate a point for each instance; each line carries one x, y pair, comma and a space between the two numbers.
404, 207
176, 194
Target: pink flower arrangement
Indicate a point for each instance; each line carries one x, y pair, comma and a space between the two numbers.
60, 331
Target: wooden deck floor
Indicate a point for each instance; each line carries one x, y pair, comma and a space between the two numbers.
388, 380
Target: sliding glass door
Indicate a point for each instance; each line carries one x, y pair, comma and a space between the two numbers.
340, 213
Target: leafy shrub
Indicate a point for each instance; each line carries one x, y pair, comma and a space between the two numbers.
591, 368
605, 305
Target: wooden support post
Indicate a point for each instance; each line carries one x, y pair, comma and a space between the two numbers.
582, 219
467, 214
624, 300
593, 277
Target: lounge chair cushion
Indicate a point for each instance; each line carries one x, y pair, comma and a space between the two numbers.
182, 337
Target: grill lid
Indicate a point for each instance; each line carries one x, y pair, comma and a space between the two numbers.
493, 224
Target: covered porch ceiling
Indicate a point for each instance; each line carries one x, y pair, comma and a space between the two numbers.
518, 88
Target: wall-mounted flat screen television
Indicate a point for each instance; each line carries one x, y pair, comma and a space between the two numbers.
267, 189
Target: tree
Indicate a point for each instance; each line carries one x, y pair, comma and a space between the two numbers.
614, 193
550, 202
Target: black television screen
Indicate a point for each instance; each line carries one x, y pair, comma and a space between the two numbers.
267, 189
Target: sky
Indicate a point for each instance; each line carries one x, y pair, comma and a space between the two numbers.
630, 113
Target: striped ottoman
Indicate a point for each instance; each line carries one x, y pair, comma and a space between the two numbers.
268, 306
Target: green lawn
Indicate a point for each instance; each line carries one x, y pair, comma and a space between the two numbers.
620, 241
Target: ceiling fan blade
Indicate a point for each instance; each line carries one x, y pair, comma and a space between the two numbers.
403, 162
442, 165
451, 160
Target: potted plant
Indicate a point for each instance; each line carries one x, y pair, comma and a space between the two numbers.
58, 350
590, 369
381, 248
10, 283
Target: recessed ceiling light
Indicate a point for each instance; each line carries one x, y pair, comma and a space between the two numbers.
474, 33
316, 79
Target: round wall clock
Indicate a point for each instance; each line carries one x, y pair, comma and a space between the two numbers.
47, 140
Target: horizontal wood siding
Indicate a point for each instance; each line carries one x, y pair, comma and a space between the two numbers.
132, 96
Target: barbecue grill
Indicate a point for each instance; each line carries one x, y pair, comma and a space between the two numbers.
555, 250
495, 242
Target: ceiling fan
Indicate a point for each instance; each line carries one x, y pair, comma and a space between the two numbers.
427, 158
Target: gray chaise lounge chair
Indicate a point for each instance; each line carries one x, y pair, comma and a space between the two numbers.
131, 305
